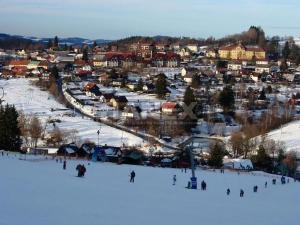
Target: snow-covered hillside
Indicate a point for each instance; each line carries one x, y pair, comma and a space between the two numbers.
32, 100
40, 192
289, 135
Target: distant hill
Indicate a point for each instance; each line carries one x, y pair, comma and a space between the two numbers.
18, 41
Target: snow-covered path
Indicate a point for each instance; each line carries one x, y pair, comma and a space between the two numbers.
41, 193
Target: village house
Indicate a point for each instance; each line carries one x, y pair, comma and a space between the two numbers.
32, 65
188, 78
149, 88
242, 52
211, 53
144, 50
20, 64
131, 112
235, 65
192, 46
170, 108
168, 59
118, 102
176, 46
44, 65
161, 47
106, 97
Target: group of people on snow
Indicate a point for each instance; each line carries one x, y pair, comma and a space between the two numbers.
81, 170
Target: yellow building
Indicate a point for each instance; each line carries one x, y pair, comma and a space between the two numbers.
241, 52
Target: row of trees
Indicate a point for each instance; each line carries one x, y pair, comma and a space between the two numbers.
269, 156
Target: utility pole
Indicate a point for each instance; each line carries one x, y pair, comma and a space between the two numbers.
193, 178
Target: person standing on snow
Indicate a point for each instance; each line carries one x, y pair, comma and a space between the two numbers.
174, 179
83, 170
242, 193
78, 168
203, 185
132, 176
228, 191
65, 164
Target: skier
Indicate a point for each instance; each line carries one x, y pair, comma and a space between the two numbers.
266, 184
83, 170
174, 179
228, 191
203, 185
65, 164
242, 193
282, 180
78, 168
132, 176
255, 188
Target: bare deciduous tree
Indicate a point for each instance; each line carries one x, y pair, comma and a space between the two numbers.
24, 127
35, 130
57, 137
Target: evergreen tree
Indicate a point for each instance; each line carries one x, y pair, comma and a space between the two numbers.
54, 74
262, 160
262, 95
286, 51
56, 42
189, 97
280, 156
283, 66
140, 85
85, 54
161, 86
216, 155
49, 44
113, 74
95, 44
195, 81
66, 47
9, 129
226, 99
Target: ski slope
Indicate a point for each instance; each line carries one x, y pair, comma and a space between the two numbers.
289, 135
33, 101
40, 192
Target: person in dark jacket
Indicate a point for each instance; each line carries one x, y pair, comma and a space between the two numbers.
203, 185
228, 191
132, 176
82, 170
174, 179
255, 188
242, 193
65, 164
78, 168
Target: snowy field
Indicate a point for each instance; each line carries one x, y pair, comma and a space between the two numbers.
40, 192
32, 100
289, 135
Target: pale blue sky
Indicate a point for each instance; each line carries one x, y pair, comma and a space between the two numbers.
113, 19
